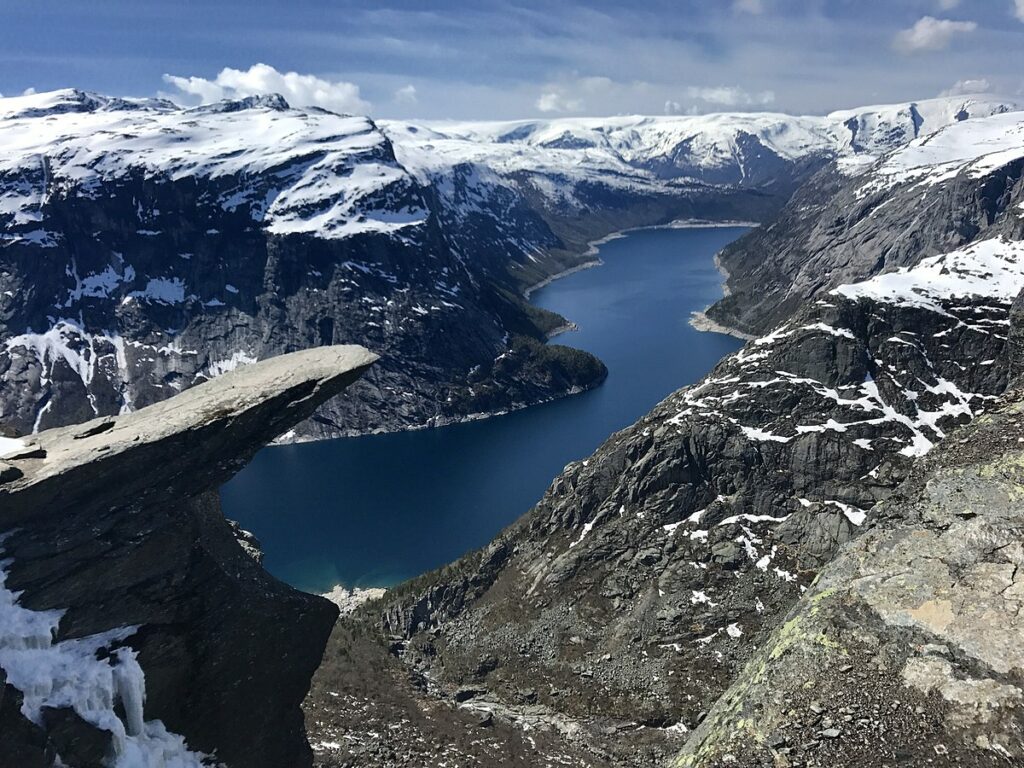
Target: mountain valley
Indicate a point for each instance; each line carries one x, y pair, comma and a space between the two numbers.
148, 247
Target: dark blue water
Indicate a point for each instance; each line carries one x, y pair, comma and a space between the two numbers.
375, 510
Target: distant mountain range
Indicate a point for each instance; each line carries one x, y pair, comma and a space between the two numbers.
743, 149
145, 247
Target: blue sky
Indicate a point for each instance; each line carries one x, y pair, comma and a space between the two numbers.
482, 59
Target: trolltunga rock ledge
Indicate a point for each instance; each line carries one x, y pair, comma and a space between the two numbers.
115, 524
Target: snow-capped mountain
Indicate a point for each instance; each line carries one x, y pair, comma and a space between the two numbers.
145, 247
976, 149
740, 148
297, 172
936, 195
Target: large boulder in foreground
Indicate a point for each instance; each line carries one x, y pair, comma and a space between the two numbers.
907, 649
134, 629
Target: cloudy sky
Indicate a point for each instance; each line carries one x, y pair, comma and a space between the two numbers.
494, 59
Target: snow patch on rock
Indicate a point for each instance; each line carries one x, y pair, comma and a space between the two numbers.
69, 674
992, 269
348, 600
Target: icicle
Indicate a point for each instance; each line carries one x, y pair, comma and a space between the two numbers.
74, 673
130, 684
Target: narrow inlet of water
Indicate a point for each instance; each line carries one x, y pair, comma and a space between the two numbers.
373, 511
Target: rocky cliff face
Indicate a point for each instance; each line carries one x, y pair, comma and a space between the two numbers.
134, 627
616, 613
145, 248
906, 648
853, 221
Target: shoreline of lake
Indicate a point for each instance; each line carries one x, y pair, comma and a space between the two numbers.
374, 511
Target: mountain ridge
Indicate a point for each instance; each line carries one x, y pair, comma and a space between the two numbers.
249, 228
849, 224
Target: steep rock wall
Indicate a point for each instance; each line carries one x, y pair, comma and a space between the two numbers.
122, 582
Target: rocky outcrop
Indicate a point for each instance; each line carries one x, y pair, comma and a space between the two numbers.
906, 649
135, 625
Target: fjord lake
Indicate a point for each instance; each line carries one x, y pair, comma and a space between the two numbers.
375, 510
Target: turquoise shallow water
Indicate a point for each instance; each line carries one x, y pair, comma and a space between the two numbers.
375, 510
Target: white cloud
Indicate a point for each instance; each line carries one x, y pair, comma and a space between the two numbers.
966, 87
730, 96
298, 90
575, 93
755, 7
406, 95
675, 108
552, 101
1018, 9
26, 92
931, 34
